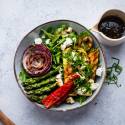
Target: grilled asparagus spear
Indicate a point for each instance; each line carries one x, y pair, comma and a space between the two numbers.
40, 84
37, 79
36, 98
42, 90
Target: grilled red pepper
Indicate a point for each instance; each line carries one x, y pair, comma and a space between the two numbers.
74, 76
60, 94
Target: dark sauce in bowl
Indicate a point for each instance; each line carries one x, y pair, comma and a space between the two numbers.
112, 26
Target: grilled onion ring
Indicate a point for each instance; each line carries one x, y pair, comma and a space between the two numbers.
37, 60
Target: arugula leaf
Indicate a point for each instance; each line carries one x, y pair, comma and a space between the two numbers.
80, 99
52, 37
55, 38
60, 29
59, 42
87, 70
50, 30
58, 56
23, 75
49, 35
85, 33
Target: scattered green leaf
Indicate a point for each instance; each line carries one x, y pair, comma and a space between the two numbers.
113, 72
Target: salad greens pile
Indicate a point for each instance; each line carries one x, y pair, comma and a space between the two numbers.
54, 37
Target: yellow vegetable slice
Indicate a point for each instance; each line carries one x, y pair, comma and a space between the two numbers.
94, 59
66, 66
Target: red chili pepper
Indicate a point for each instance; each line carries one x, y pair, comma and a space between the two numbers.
60, 94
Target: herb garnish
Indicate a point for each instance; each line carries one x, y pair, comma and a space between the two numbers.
80, 98
113, 72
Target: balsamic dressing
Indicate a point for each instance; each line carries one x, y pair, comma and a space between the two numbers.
112, 26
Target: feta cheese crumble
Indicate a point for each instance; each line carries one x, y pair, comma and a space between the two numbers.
69, 29
99, 71
70, 100
74, 56
38, 40
43, 36
59, 79
81, 90
94, 86
68, 42
47, 41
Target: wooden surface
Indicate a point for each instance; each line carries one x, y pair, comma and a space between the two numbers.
5, 120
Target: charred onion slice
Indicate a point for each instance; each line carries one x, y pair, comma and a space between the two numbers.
37, 60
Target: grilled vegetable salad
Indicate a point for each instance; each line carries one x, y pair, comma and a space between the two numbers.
63, 67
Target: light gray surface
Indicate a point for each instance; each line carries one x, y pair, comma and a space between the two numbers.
18, 17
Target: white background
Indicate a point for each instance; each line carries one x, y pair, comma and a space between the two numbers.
17, 18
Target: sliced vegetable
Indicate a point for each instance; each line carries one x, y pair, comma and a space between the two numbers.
28, 81
43, 90
94, 59
37, 60
36, 98
40, 84
60, 94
